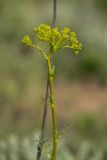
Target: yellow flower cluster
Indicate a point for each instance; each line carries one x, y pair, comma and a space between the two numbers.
27, 40
43, 32
55, 33
58, 39
65, 33
75, 44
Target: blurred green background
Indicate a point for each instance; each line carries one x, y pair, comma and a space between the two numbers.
80, 83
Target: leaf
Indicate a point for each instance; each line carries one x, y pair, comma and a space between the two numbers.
53, 70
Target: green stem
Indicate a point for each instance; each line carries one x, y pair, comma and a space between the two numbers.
40, 50
52, 106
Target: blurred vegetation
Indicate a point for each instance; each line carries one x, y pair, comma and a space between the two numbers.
85, 140
21, 80
102, 5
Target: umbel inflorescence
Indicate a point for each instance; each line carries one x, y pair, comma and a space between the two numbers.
57, 39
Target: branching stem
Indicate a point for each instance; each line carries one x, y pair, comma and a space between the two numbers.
40, 50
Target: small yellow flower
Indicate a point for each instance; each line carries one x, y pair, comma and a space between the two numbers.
65, 33
76, 47
43, 32
55, 33
27, 40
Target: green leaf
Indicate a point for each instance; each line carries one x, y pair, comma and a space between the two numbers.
53, 70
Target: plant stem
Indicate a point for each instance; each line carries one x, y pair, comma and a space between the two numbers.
40, 50
52, 106
54, 13
41, 140
42, 136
